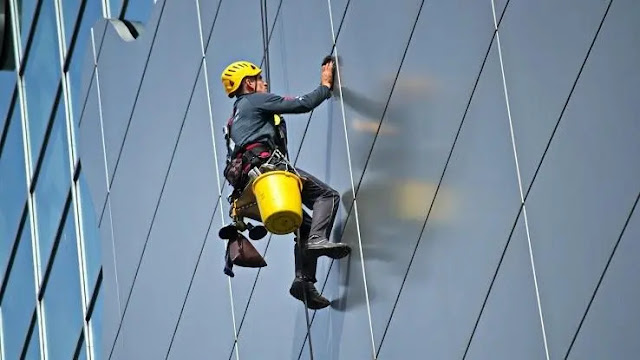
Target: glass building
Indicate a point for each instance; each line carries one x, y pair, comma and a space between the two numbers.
50, 267
485, 153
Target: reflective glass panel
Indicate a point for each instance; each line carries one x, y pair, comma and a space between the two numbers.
41, 76
52, 186
70, 14
33, 352
139, 10
13, 188
7, 84
96, 327
91, 233
92, 11
26, 10
116, 6
19, 300
62, 298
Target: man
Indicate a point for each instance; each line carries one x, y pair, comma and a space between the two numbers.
254, 131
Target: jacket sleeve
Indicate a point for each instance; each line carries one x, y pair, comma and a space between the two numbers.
300, 104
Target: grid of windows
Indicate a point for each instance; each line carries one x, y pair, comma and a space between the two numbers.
50, 272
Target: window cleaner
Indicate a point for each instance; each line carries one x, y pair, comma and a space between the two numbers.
258, 169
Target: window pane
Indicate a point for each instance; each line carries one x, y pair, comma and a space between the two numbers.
7, 84
96, 327
83, 352
26, 9
42, 76
139, 10
52, 186
13, 188
33, 352
70, 10
116, 6
19, 300
62, 298
92, 12
91, 233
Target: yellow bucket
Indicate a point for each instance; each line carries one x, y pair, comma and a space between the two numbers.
279, 200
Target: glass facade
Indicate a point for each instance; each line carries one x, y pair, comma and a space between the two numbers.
50, 262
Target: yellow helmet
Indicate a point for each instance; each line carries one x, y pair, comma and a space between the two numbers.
233, 74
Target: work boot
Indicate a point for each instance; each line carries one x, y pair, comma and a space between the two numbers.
302, 288
317, 246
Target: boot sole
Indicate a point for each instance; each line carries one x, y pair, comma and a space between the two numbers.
335, 252
297, 291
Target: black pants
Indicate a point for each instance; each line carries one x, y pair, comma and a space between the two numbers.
324, 202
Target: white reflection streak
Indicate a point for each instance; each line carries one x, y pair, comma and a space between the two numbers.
355, 203
524, 208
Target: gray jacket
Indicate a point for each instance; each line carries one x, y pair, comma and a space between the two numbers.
253, 116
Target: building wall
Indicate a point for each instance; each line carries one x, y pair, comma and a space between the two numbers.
491, 147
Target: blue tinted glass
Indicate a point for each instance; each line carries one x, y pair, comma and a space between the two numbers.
42, 76
91, 233
70, 14
92, 12
7, 84
26, 9
139, 10
116, 6
83, 352
52, 186
96, 327
13, 188
33, 352
62, 298
19, 300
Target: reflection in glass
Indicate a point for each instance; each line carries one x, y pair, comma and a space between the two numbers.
62, 298
13, 189
26, 9
7, 84
70, 14
52, 186
96, 326
92, 11
19, 300
83, 352
91, 233
41, 76
115, 6
33, 352
139, 10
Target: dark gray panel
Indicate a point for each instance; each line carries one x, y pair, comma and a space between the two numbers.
613, 322
417, 133
342, 330
460, 249
510, 324
206, 326
589, 179
179, 231
370, 56
121, 63
109, 291
541, 64
92, 151
165, 95
272, 304
292, 75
